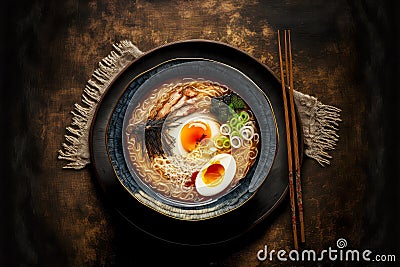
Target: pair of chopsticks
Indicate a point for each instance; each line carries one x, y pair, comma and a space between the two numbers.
291, 133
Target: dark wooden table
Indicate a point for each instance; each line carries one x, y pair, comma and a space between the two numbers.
345, 53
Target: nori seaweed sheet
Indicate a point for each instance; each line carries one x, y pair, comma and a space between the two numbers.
152, 135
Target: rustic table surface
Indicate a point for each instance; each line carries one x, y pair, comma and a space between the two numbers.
344, 52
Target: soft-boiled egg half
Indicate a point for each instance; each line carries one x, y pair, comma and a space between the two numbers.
192, 130
215, 176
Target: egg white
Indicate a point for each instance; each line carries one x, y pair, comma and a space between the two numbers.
229, 163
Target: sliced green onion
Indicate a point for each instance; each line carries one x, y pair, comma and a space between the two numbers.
247, 132
218, 143
236, 142
221, 142
238, 126
225, 129
249, 123
226, 143
244, 116
233, 122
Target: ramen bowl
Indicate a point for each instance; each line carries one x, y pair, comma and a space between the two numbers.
192, 139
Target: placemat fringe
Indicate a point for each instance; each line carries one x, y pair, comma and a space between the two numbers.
75, 149
321, 133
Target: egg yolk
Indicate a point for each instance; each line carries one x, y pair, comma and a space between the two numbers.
192, 134
213, 175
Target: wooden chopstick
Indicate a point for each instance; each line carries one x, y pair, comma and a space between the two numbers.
289, 147
291, 133
295, 143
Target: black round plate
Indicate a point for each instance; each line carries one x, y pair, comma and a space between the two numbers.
210, 231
